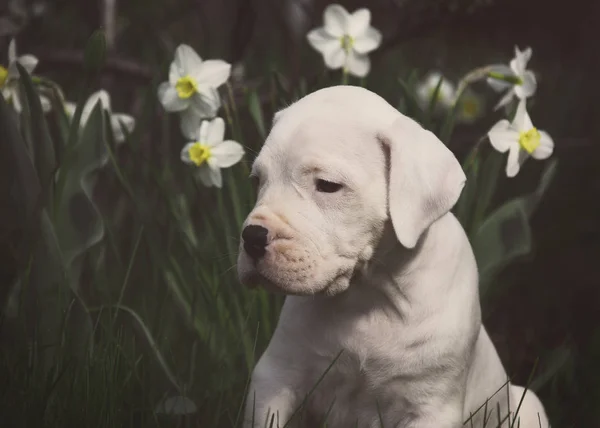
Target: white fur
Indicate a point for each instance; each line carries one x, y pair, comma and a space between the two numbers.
379, 270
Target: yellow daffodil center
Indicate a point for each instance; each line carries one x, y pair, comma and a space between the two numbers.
186, 86
3, 76
470, 107
347, 43
530, 140
199, 153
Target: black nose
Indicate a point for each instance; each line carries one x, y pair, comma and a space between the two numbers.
255, 240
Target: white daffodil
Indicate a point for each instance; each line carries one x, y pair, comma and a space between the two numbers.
116, 119
524, 84
345, 39
426, 90
470, 107
9, 78
209, 153
192, 87
521, 139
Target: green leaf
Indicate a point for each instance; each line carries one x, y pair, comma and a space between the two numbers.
256, 112
42, 145
490, 174
547, 176
503, 237
53, 303
282, 87
94, 54
21, 200
468, 196
78, 222
554, 362
411, 101
447, 127
434, 98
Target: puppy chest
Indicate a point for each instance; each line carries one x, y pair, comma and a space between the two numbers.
356, 389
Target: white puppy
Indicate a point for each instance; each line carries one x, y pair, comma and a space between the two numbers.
352, 222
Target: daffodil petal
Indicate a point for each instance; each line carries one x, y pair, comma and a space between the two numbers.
186, 60
335, 20
12, 51
174, 73
190, 123
70, 108
204, 173
13, 72
519, 63
497, 84
522, 121
203, 131
206, 102
324, 43
101, 97
226, 154
213, 72
505, 100
335, 59
425, 90
502, 136
168, 97
185, 153
423, 95
215, 132
358, 22
46, 104
528, 87
546, 147
214, 173
358, 64
516, 158
127, 121
368, 41
28, 62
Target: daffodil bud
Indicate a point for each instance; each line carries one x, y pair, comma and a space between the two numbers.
95, 51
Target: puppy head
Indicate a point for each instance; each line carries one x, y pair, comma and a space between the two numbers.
336, 166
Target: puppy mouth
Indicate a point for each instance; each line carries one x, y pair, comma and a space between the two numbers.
257, 277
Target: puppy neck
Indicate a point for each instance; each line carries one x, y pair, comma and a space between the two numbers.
406, 276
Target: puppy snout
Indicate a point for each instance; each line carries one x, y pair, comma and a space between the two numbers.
255, 240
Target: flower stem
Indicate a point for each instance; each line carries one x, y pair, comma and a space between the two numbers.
345, 76
471, 77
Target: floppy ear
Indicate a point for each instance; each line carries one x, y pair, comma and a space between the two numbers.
425, 179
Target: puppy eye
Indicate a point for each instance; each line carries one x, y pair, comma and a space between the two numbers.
328, 186
255, 181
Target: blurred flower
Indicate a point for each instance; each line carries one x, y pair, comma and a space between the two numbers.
210, 153
426, 90
192, 87
238, 72
470, 107
521, 139
345, 39
515, 79
116, 119
177, 405
9, 78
